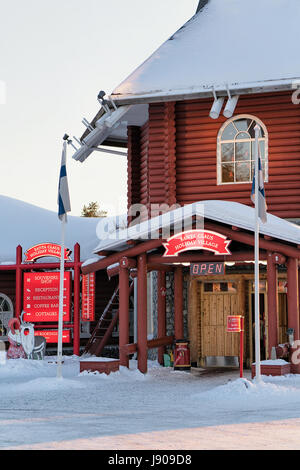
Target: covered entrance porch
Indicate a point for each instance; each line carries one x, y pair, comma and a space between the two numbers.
205, 300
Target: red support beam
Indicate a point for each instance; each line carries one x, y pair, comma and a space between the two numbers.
76, 319
248, 239
161, 311
115, 258
272, 280
198, 257
142, 313
293, 295
178, 303
123, 314
19, 283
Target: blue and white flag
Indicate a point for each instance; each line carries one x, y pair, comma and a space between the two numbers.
63, 189
262, 205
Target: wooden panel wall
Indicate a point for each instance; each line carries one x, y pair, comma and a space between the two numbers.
196, 153
178, 153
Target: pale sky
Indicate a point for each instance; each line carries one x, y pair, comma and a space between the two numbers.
55, 57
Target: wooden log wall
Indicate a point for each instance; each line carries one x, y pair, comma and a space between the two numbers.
178, 153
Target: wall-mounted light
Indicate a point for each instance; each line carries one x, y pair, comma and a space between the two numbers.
230, 106
216, 108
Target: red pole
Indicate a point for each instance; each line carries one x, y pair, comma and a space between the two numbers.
123, 314
272, 304
242, 347
18, 281
161, 311
142, 313
292, 296
76, 320
178, 303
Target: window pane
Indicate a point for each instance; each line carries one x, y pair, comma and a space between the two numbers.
242, 151
227, 152
242, 171
252, 132
228, 172
242, 124
229, 132
243, 136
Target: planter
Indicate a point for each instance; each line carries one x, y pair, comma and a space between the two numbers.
102, 365
274, 368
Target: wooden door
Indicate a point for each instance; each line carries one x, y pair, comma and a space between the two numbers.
215, 308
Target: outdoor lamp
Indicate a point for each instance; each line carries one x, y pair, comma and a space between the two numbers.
230, 106
216, 108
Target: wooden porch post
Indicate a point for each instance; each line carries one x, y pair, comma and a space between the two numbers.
161, 311
142, 313
19, 282
293, 295
272, 280
123, 314
178, 303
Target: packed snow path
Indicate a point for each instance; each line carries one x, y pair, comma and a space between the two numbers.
161, 410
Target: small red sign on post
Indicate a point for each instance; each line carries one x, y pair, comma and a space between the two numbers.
41, 296
88, 297
235, 324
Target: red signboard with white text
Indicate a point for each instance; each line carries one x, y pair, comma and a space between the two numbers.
43, 250
88, 297
234, 324
51, 336
41, 296
197, 240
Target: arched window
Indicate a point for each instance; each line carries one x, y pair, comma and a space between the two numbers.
6, 313
236, 146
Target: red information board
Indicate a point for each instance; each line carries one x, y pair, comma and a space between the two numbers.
51, 336
88, 297
234, 323
41, 296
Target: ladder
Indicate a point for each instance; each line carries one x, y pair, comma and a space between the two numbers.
105, 325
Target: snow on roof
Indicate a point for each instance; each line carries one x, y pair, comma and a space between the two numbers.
28, 225
226, 212
241, 43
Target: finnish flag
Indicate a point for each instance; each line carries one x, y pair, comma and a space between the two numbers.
262, 205
63, 189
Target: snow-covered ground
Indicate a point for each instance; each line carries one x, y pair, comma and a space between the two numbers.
163, 409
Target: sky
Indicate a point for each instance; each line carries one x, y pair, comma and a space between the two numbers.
55, 56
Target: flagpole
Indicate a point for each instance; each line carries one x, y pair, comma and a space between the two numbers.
61, 299
63, 207
256, 271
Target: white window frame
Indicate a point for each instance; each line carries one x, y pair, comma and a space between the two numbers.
220, 141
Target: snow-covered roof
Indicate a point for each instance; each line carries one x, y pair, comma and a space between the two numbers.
225, 212
28, 225
233, 46
239, 43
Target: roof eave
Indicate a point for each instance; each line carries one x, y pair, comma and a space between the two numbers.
205, 92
